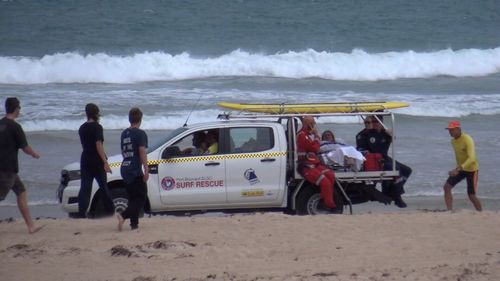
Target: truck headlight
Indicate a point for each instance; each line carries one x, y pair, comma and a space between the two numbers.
67, 176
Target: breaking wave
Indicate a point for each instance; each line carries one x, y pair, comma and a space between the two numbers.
357, 65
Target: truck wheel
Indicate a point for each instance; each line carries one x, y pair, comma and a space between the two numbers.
120, 199
309, 202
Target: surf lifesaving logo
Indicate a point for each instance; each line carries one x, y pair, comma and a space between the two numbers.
251, 176
168, 183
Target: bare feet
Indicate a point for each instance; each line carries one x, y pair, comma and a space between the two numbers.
35, 229
120, 221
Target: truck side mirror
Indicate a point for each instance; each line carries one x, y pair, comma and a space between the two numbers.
170, 152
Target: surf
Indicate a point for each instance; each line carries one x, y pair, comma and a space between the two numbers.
358, 65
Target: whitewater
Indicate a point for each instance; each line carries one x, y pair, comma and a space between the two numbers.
357, 65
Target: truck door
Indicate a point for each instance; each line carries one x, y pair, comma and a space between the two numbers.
255, 166
188, 175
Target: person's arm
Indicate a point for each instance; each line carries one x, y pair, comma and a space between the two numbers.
22, 143
100, 150
306, 142
143, 153
28, 150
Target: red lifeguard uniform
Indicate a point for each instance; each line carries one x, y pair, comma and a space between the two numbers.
312, 169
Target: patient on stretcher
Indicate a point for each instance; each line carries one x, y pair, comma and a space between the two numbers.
335, 153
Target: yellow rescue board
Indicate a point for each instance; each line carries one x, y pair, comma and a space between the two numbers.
314, 108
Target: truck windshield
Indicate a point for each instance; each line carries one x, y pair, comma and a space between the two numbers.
163, 140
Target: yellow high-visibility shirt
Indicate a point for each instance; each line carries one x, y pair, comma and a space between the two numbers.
465, 153
213, 149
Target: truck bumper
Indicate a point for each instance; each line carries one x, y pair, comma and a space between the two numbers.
69, 197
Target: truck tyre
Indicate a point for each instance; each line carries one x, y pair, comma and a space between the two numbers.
120, 199
309, 202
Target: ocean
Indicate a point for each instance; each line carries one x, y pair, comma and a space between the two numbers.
174, 57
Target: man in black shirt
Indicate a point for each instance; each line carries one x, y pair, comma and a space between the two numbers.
378, 140
12, 138
93, 162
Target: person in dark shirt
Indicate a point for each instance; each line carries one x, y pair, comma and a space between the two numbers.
361, 139
134, 144
376, 139
12, 138
93, 163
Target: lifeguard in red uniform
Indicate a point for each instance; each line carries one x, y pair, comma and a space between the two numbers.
308, 144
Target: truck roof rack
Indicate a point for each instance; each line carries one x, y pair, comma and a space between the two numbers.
251, 115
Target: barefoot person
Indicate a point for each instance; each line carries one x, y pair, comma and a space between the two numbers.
12, 138
93, 162
134, 144
467, 166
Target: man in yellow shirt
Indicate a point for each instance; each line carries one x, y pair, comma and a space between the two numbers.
467, 166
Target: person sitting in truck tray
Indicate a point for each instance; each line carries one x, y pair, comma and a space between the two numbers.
310, 166
333, 152
377, 139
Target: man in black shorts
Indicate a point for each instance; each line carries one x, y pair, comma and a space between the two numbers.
12, 138
467, 166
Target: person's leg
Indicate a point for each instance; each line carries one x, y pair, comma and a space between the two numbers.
472, 179
85, 190
387, 186
121, 220
315, 176
126, 213
448, 186
133, 205
395, 188
140, 201
102, 180
137, 198
22, 204
7, 181
475, 201
448, 196
405, 173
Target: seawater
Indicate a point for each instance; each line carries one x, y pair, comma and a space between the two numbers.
174, 57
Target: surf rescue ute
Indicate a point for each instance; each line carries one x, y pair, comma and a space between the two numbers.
247, 160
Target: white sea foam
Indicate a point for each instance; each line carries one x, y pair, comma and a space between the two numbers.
115, 122
159, 66
166, 119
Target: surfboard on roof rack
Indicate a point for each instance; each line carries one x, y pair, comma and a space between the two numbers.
313, 108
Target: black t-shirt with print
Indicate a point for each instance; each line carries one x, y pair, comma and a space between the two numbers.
131, 140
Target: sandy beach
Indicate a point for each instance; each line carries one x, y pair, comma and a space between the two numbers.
417, 245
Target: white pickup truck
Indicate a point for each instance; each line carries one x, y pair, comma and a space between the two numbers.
255, 167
